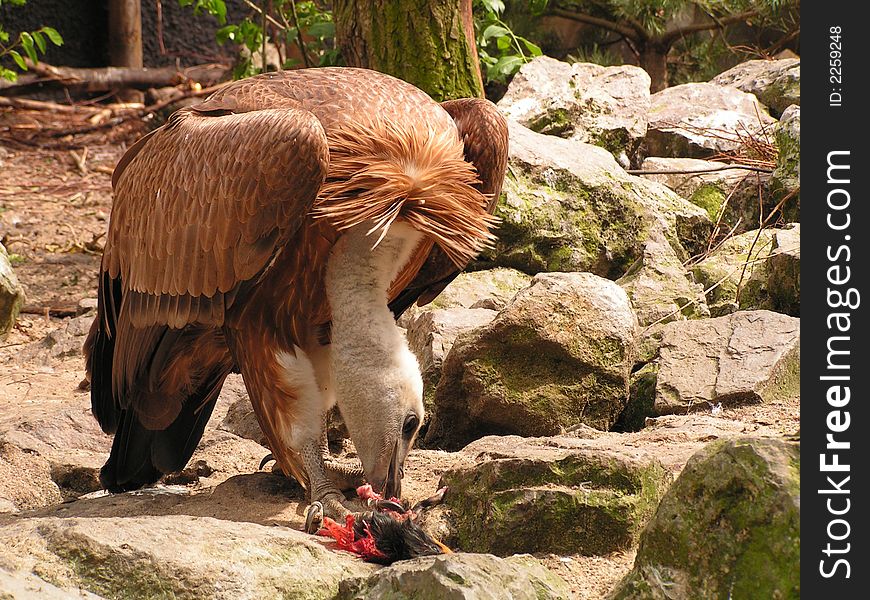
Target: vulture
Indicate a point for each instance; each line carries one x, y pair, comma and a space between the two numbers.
277, 229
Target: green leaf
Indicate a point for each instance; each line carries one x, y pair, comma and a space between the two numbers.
53, 35
8, 74
40, 40
533, 49
494, 31
27, 44
18, 60
226, 33
508, 65
322, 30
503, 43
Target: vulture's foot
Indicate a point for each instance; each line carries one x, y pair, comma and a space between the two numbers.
345, 477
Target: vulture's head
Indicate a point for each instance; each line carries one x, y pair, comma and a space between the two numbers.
383, 418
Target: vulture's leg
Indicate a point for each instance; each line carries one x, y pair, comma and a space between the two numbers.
289, 405
344, 476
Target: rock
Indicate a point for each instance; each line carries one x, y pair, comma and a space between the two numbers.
67, 340
776, 83
729, 527
459, 576
784, 271
740, 263
659, 287
710, 190
491, 289
552, 495
786, 177
641, 399
11, 294
605, 106
86, 305
431, 334
21, 584
185, 557
25, 480
559, 354
698, 120
745, 357
569, 207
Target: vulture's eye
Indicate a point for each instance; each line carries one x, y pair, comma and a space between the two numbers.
410, 426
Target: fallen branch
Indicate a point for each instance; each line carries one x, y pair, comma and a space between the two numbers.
50, 311
697, 171
112, 78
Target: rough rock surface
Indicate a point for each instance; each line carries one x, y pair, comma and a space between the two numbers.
179, 556
559, 354
748, 356
605, 106
492, 289
776, 83
729, 527
750, 263
659, 287
787, 175
457, 577
567, 206
559, 494
431, 334
784, 271
11, 294
732, 192
698, 120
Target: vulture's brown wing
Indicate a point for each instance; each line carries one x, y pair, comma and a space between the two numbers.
485, 136
201, 205
204, 203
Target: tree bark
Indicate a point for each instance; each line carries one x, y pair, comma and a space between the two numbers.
427, 43
125, 38
654, 60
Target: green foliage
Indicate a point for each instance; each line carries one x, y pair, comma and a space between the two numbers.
31, 43
501, 51
303, 25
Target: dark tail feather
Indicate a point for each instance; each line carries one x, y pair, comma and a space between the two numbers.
141, 456
99, 350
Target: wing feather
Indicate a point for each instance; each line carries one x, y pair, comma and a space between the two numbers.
203, 203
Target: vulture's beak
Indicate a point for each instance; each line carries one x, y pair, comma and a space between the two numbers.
392, 486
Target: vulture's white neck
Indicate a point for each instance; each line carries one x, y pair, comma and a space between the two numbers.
367, 346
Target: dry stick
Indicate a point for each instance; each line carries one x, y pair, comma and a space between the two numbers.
54, 311
697, 171
299, 39
27, 104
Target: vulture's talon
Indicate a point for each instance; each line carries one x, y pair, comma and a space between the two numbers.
314, 517
266, 459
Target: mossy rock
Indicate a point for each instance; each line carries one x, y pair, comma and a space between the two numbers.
568, 206
11, 294
786, 176
459, 575
729, 527
559, 354
641, 399
540, 497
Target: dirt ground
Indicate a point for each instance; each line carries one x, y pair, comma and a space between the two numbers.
54, 210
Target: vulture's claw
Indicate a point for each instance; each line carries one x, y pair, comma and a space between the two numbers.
314, 517
266, 459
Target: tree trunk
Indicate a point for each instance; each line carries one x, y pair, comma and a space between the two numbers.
125, 38
427, 43
654, 60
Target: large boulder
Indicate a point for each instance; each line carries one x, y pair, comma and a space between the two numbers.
177, 556
11, 294
559, 354
431, 334
565, 495
457, 577
491, 289
756, 269
605, 106
787, 175
729, 527
698, 120
568, 206
745, 357
776, 83
659, 286
729, 195
784, 271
